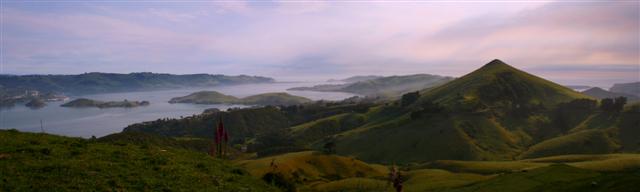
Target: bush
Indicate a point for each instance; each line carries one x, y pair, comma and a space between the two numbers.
409, 98
278, 180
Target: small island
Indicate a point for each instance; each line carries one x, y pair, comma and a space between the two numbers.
36, 103
83, 103
214, 97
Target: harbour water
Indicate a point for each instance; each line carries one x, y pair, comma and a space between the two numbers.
87, 122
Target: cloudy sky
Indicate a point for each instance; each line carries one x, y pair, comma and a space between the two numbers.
595, 43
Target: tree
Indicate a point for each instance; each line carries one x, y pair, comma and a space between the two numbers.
409, 98
606, 104
329, 147
618, 103
613, 105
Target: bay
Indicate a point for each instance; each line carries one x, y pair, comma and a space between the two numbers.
87, 122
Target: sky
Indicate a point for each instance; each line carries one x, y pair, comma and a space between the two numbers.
570, 42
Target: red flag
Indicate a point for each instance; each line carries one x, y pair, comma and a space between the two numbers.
219, 133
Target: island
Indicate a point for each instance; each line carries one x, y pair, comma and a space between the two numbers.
214, 97
31, 98
36, 103
84, 103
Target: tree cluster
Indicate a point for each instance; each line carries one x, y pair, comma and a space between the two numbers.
613, 104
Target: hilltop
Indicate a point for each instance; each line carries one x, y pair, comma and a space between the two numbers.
499, 84
214, 97
391, 87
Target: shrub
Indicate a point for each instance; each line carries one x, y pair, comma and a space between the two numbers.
278, 180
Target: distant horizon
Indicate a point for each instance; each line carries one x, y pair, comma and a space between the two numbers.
590, 43
327, 79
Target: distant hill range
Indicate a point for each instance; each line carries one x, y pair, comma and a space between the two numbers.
629, 88
391, 87
600, 93
356, 78
89, 83
214, 97
578, 87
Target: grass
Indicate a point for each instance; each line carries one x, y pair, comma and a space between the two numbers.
321, 128
312, 168
594, 141
483, 167
42, 162
557, 173
354, 184
437, 179
558, 177
432, 137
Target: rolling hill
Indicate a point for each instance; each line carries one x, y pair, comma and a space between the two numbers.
496, 112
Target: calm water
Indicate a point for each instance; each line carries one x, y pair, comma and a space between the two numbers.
85, 122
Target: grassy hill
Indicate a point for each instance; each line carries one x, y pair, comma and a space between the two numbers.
42, 162
497, 84
274, 99
592, 141
205, 97
311, 166
494, 112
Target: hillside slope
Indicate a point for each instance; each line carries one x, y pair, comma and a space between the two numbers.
494, 112
42, 162
497, 83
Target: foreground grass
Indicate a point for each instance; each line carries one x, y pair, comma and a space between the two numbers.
561, 178
42, 162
